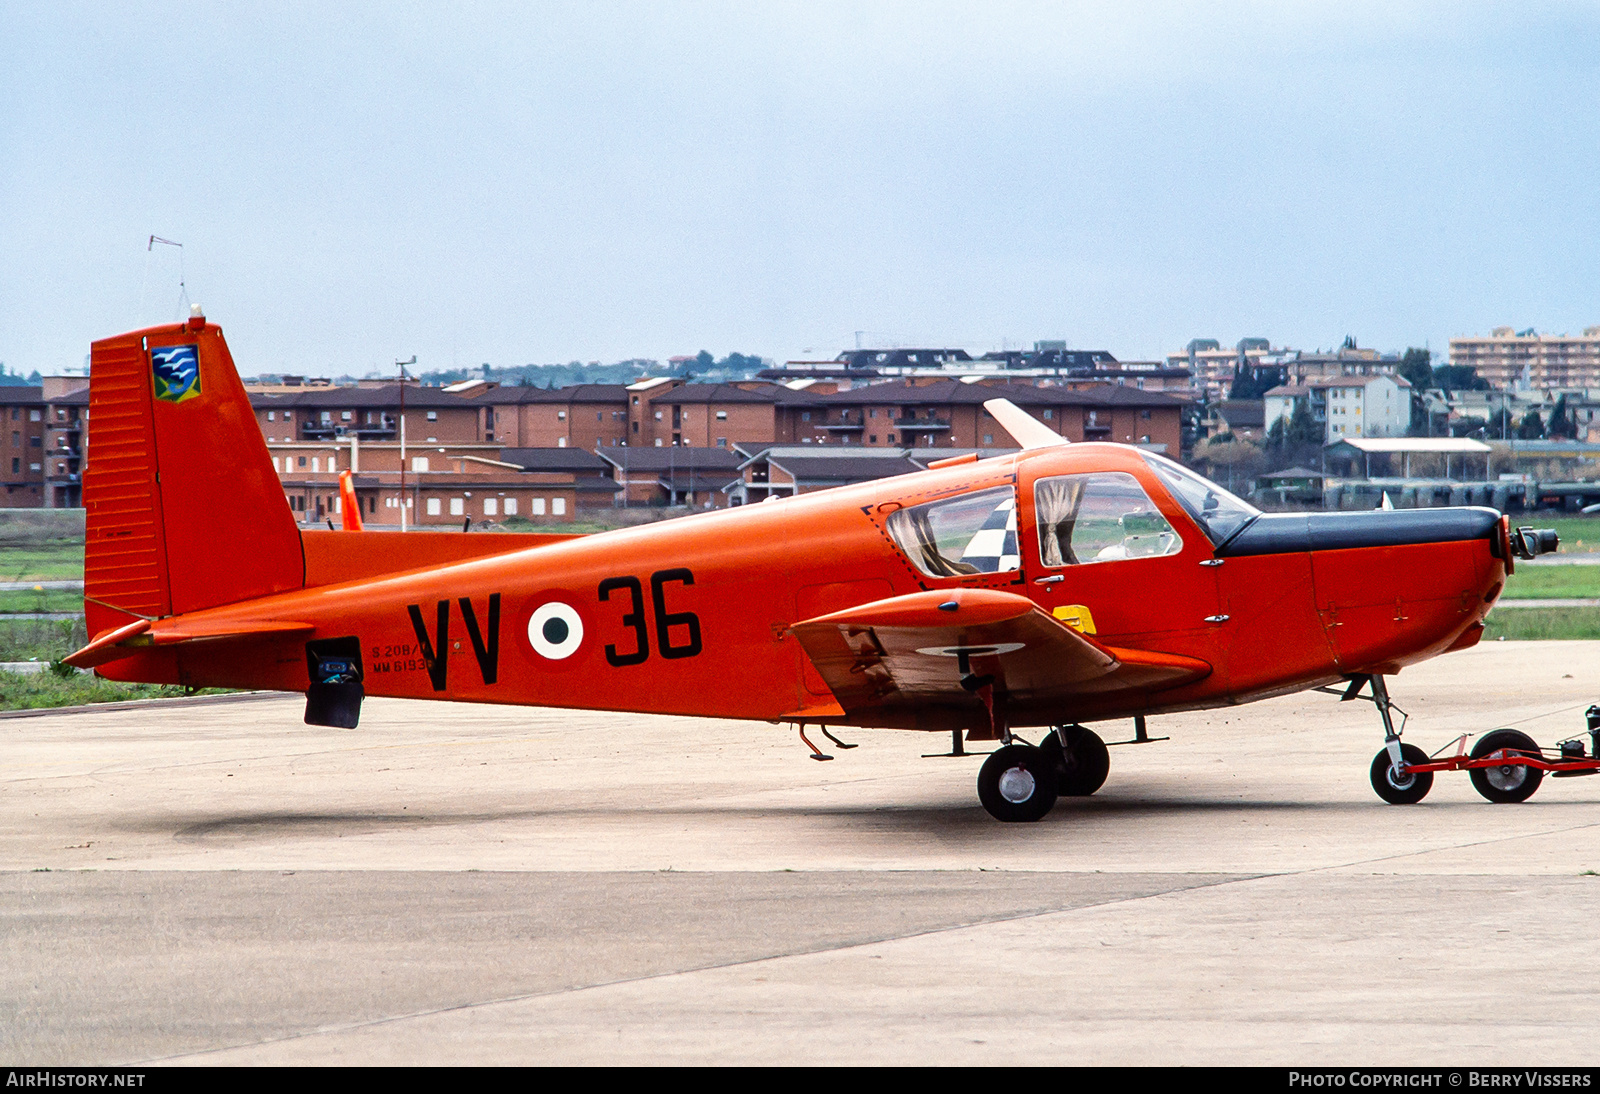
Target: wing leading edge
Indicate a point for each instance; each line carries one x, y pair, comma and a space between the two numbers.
902, 661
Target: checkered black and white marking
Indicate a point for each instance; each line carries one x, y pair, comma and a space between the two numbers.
993, 549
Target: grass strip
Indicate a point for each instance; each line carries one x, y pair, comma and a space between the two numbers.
42, 562
40, 639
1543, 624
40, 690
1553, 582
40, 600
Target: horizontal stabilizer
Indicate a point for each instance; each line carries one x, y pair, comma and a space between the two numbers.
140, 635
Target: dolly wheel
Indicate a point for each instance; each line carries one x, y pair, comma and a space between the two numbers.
1081, 767
1508, 782
1017, 783
1396, 789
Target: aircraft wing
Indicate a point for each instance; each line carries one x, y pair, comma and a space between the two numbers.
906, 653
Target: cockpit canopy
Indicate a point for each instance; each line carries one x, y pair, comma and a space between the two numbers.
1095, 516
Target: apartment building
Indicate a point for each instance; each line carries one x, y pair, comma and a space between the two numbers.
432, 415
22, 412
1355, 406
1524, 360
949, 413
42, 436
1214, 367
674, 475
1350, 361
442, 484
585, 416
667, 412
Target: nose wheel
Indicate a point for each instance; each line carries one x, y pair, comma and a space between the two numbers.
1399, 787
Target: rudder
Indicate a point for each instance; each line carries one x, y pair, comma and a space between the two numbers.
183, 508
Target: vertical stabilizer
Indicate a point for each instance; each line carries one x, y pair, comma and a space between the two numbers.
184, 510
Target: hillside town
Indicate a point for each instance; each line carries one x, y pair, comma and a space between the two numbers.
1507, 419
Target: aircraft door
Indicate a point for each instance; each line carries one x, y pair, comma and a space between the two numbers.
1103, 556
1272, 632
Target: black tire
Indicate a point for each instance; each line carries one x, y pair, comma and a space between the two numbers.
1506, 782
1082, 767
1407, 791
1017, 783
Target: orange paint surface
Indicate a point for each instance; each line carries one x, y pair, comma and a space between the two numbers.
807, 607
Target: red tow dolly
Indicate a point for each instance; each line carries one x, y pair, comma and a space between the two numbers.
1505, 765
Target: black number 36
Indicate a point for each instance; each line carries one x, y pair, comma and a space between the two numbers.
667, 623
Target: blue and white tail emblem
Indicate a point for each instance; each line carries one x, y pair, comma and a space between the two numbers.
177, 372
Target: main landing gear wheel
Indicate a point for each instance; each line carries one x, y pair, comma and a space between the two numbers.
1396, 789
1509, 782
1017, 783
1082, 767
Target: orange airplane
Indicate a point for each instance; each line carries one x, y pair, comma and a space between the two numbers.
1055, 586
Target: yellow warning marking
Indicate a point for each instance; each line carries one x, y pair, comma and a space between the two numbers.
1076, 616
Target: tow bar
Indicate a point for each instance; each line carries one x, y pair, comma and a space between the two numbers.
1505, 765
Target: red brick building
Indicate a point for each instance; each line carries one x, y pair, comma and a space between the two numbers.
586, 416
939, 413
674, 475
664, 413
42, 433
443, 484
432, 415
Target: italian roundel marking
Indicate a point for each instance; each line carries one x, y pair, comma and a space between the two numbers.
556, 630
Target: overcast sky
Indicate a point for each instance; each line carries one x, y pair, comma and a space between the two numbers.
533, 183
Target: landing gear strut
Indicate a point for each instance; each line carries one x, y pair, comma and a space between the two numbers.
1392, 774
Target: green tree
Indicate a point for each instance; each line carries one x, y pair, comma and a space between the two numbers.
1416, 366
1238, 458
1532, 427
1253, 382
1303, 427
1459, 378
1561, 426
741, 363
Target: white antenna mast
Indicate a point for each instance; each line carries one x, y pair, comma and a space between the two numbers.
183, 289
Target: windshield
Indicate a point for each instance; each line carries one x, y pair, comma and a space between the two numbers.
1219, 514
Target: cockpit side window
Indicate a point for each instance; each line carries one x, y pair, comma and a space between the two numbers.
1218, 513
1099, 518
955, 537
